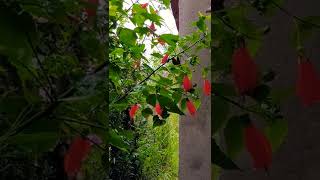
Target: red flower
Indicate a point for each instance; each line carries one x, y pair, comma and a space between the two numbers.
152, 27
192, 110
164, 59
244, 71
158, 109
144, 5
207, 87
308, 83
133, 110
258, 146
90, 11
77, 152
187, 85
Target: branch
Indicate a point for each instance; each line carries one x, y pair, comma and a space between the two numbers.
294, 16
239, 105
154, 71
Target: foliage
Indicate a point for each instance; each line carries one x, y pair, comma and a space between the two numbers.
52, 82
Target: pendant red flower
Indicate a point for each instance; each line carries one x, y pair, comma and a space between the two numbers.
244, 70
191, 108
133, 110
152, 27
144, 5
187, 85
308, 83
90, 11
206, 87
258, 146
164, 59
158, 109
78, 151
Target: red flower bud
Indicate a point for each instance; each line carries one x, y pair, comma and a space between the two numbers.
78, 151
144, 5
207, 87
164, 59
258, 146
192, 110
158, 109
187, 85
152, 27
133, 110
91, 12
244, 70
308, 83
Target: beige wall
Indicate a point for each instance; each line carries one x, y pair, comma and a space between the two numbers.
195, 133
299, 157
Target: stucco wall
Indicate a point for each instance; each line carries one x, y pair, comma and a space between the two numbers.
195, 133
299, 157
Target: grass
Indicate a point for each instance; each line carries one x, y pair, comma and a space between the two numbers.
158, 150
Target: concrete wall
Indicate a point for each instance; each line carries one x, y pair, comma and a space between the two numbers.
299, 157
195, 133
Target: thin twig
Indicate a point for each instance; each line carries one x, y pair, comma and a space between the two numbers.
239, 105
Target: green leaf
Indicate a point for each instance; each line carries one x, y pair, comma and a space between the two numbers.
233, 134
166, 3
127, 36
276, 132
147, 112
219, 113
220, 158
36, 142
117, 141
152, 99
201, 23
169, 104
170, 38
157, 121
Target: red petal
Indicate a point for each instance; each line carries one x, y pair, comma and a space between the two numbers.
165, 58
77, 152
191, 108
187, 85
259, 147
158, 109
207, 87
152, 27
308, 83
144, 5
244, 71
133, 110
